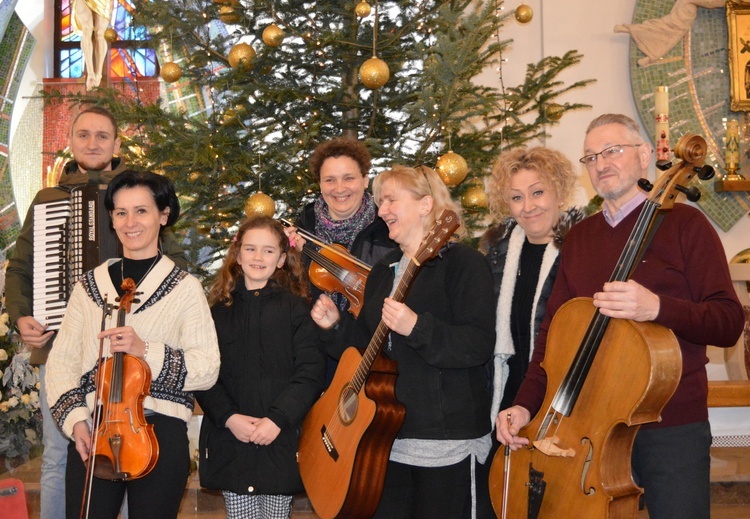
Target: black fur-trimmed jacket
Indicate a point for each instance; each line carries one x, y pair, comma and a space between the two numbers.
495, 245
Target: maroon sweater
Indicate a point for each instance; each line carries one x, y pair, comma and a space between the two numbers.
685, 266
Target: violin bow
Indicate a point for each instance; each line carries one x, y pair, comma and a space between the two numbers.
96, 418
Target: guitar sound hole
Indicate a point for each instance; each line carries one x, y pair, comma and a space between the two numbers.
348, 405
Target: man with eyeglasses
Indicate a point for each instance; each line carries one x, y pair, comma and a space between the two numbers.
682, 282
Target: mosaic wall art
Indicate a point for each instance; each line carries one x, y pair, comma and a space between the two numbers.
697, 74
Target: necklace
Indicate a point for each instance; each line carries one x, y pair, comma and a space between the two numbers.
153, 264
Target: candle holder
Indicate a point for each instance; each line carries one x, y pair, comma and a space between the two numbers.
732, 181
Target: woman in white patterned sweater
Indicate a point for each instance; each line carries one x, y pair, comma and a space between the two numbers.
169, 326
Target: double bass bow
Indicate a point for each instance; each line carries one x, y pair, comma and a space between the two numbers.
334, 269
123, 444
605, 377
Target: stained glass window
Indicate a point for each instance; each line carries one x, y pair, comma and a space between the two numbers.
127, 59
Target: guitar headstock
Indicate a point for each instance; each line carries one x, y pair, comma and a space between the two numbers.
691, 149
444, 227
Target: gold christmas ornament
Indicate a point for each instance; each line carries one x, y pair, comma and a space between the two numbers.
374, 73
524, 14
273, 35
229, 14
553, 111
110, 35
475, 197
241, 57
194, 176
452, 168
170, 72
362, 9
260, 204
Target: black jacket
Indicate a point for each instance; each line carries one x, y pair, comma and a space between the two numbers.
271, 366
494, 244
442, 380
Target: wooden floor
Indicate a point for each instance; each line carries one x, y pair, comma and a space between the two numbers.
730, 492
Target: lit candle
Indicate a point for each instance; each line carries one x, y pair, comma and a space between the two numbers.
732, 153
661, 118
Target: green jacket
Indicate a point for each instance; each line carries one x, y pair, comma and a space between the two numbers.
19, 274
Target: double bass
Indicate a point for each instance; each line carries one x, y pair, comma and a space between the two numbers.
605, 378
347, 436
123, 445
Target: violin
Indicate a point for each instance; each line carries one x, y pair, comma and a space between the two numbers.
124, 445
334, 269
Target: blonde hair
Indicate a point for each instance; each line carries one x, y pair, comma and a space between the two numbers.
551, 165
421, 181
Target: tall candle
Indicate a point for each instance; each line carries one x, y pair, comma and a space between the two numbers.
661, 119
732, 152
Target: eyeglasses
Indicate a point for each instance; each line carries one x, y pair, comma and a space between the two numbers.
607, 154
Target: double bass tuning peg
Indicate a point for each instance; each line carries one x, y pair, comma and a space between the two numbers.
644, 184
705, 172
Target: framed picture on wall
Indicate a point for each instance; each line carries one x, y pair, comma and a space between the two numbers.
738, 45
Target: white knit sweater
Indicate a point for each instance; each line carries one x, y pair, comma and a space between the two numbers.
172, 315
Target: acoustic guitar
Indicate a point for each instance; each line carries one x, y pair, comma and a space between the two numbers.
347, 435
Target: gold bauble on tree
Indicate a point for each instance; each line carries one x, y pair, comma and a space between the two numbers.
170, 72
260, 204
241, 56
273, 36
554, 111
524, 14
229, 14
374, 73
452, 168
475, 197
110, 35
362, 9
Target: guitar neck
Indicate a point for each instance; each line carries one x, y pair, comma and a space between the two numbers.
381, 332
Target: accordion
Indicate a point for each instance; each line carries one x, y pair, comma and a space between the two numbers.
71, 236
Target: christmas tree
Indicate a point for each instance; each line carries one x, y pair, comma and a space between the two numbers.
269, 80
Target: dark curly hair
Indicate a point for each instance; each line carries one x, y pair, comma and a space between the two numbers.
341, 147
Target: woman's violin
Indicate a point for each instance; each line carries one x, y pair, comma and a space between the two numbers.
123, 444
334, 269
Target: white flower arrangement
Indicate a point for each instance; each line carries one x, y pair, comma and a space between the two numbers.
20, 415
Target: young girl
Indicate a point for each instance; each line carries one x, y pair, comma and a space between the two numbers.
272, 370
